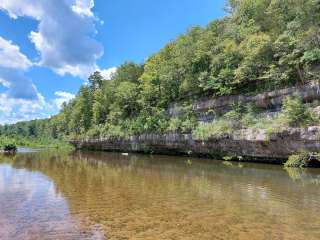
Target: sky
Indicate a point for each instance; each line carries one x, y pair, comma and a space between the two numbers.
48, 48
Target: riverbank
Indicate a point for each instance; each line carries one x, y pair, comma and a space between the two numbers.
244, 145
35, 143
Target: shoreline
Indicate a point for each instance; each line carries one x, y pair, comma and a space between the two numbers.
245, 145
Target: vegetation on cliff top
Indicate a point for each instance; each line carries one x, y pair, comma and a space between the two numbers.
293, 114
261, 45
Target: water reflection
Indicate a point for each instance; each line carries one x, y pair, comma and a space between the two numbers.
109, 196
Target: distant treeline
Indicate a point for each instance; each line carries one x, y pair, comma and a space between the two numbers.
261, 45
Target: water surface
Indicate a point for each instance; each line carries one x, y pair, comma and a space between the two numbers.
47, 195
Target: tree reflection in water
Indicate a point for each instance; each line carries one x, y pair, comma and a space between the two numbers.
100, 195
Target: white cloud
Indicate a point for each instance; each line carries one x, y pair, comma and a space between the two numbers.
83, 7
4, 83
11, 57
17, 84
63, 97
107, 73
21, 99
65, 42
13, 110
64, 38
12, 66
18, 8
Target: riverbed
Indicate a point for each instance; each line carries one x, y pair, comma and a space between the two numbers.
89, 195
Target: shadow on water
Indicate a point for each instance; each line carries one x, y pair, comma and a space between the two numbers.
161, 197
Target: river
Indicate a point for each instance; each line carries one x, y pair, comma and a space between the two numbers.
83, 195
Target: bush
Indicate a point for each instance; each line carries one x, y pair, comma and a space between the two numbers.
294, 113
111, 130
174, 125
95, 131
217, 128
10, 148
303, 159
188, 125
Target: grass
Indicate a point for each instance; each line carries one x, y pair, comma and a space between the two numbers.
35, 143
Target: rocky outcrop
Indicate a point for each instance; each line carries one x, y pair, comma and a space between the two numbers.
250, 145
269, 101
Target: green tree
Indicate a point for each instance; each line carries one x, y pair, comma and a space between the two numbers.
95, 81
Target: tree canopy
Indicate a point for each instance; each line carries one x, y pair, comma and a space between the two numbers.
261, 45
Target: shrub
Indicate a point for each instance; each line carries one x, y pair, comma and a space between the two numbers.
10, 148
174, 125
303, 159
217, 128
110, 130
188, 125
94, 131
294, 113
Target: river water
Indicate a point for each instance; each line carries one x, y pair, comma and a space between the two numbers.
50, 195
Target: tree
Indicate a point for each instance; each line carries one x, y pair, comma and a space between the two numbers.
95, 81
98, 109
128, 72
260, 45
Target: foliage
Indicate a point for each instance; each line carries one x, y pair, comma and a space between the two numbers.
293, 114
303, 159
35, 142
261, 45
10, 148
217, 128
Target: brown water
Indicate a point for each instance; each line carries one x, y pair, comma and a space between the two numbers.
110, 196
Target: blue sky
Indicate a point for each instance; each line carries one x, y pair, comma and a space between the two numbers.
49, 47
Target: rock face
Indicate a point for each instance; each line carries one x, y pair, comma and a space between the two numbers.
252, 145
269, 101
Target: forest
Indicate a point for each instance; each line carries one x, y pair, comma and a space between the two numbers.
260, 45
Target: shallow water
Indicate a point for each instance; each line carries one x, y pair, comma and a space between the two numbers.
110, 196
